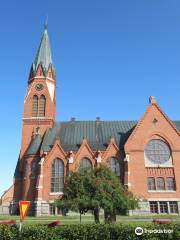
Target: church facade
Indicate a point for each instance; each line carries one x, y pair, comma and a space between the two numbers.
144, 154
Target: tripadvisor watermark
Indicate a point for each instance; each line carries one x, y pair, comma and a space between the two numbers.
140, 231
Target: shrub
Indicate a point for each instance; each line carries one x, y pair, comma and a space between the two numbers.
89, 232
8, 232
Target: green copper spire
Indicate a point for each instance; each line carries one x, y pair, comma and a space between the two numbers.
44, 55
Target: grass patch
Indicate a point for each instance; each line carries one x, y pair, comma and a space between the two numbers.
89, 218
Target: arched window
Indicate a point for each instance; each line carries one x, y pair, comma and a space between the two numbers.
151, 183
113, 163
170, 183
42, 106
57, 176
85, 164
157, 151
35, 106
160, 183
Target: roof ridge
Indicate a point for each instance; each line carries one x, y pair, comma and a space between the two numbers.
96, 121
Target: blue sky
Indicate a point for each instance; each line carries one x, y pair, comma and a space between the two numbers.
109, 55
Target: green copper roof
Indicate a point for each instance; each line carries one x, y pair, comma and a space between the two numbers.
34, 146
98, 134
44, 55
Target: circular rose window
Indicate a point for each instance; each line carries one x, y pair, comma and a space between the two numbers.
157, 151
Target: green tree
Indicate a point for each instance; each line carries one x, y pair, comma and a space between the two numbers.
111, 195
96, 189
77, 195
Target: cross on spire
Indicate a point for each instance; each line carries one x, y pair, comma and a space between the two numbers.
46, 23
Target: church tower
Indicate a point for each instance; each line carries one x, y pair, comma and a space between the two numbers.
40, 99
39, 115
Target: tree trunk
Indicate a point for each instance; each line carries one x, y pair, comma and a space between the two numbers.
96, 215
106, 217
113, 216
109, 217
80, 216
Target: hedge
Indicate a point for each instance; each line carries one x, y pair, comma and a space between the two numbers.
88, 232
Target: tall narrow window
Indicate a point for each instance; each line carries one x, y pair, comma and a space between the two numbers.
115, 166
57, 176
85, 164
42, 106
160, 183
170, 184
151, 183
35, 106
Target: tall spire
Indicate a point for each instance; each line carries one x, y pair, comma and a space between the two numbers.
44, 55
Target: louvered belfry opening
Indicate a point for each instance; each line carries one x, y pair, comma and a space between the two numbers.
38, 106
42, 106
35, 106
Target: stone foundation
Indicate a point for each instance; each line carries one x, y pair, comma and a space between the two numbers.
37, 208
179, 207
14, 208
142, 210
5, 209
144, 207
43, 208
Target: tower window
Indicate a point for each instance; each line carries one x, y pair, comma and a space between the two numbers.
57, 177
42, 106
160, 183
151, 183
37, 130
35, 106
115, 166
170, 183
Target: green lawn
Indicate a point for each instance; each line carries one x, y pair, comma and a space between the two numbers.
88, 218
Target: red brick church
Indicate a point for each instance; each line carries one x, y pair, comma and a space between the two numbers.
144, 154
